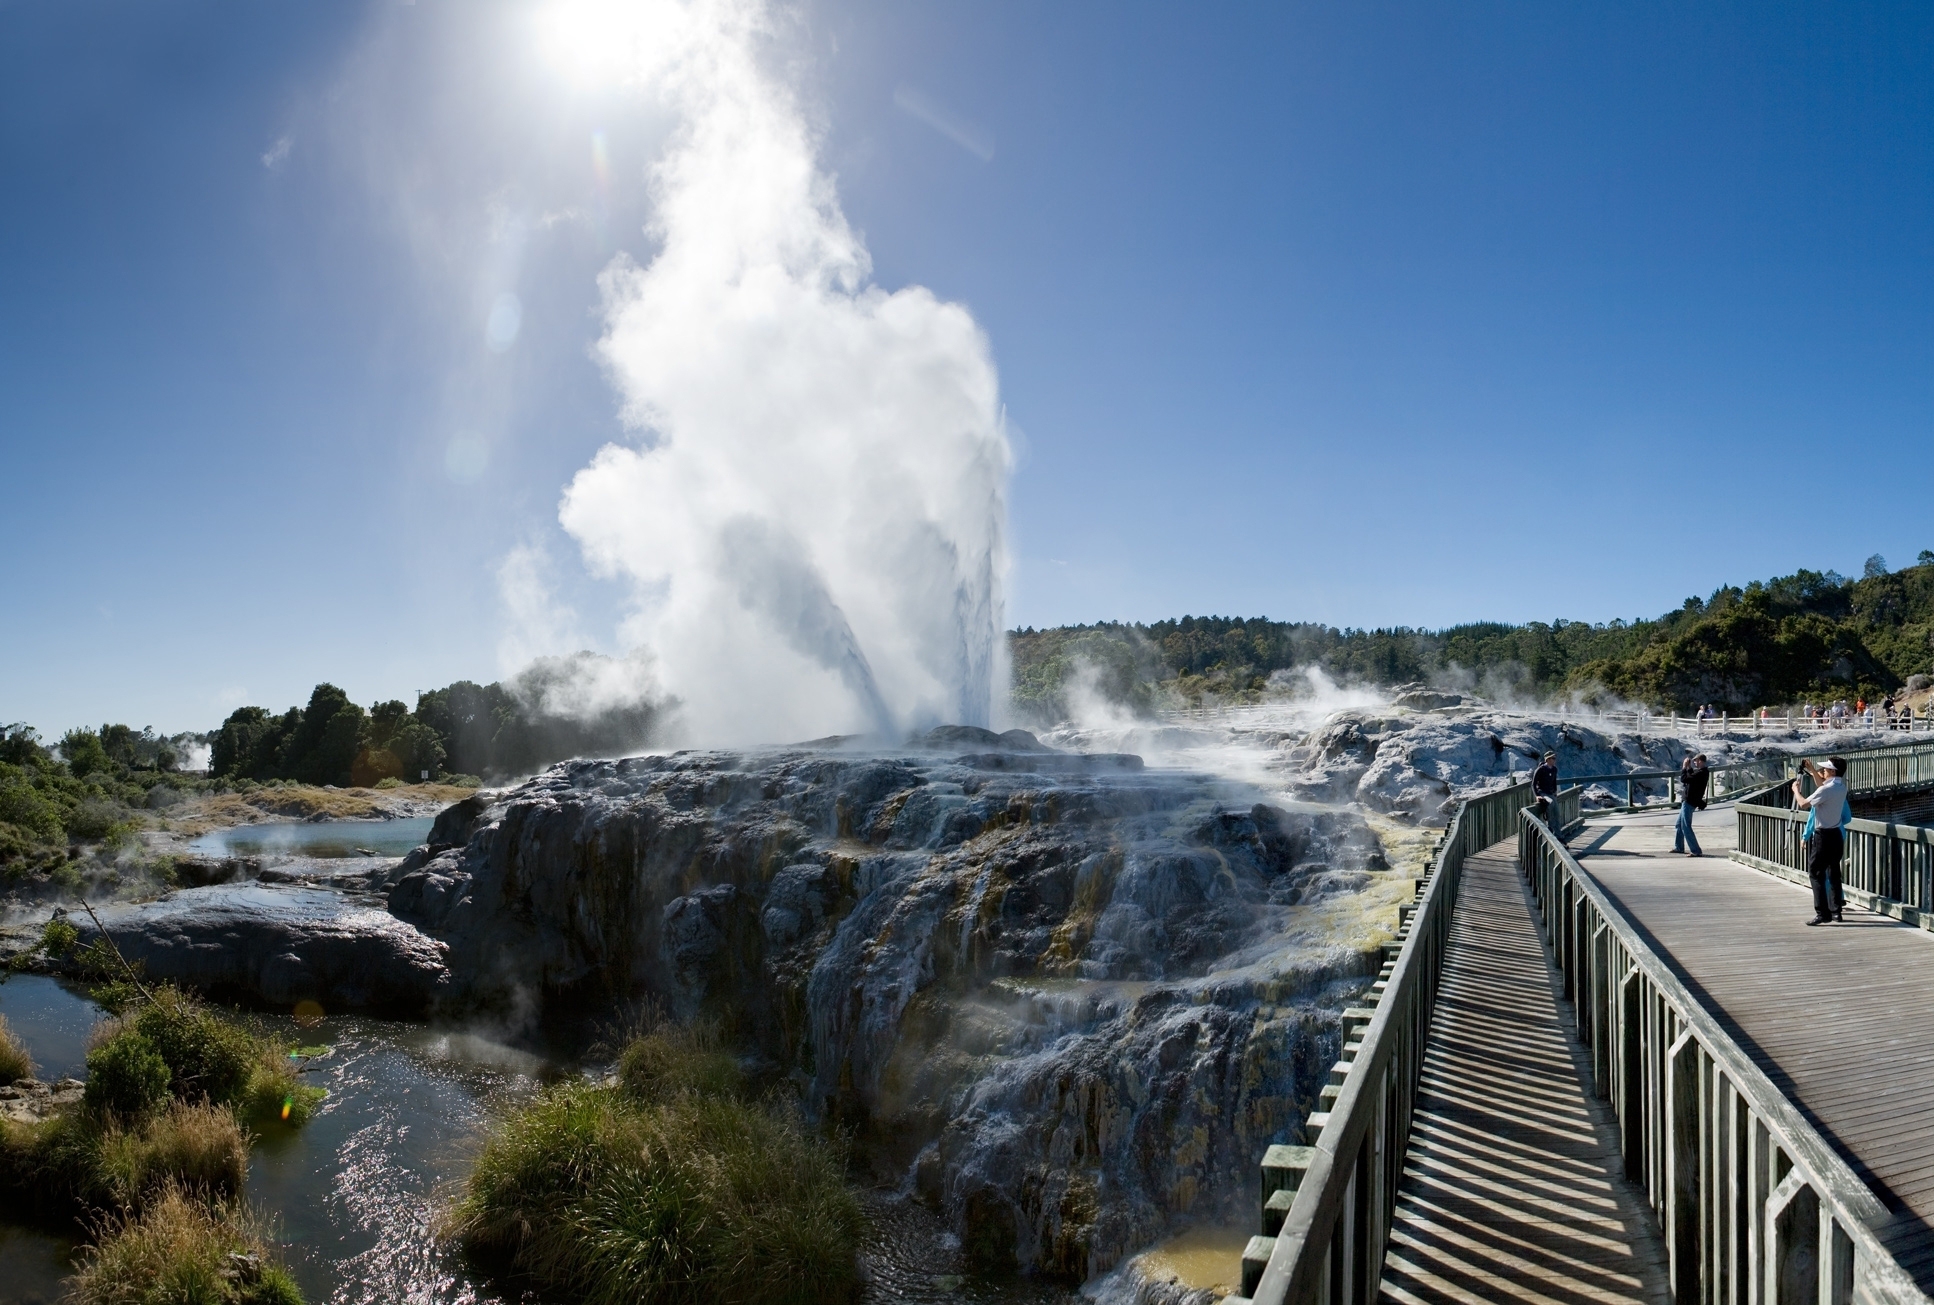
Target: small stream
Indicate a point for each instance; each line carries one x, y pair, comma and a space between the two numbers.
353, 1196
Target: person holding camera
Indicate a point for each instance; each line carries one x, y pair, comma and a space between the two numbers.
1693, 778
1826, 837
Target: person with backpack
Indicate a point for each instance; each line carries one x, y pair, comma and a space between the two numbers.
1693, 778
1827, 814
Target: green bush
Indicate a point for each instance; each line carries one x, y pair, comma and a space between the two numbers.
126, 1076
57, 938
15, 1063
666, 1193
183, 1251
209, 1058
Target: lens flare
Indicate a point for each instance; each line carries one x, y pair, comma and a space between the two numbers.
288, 1104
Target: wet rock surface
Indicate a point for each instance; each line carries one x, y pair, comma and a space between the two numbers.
1070, 998
280, 945
28, 1100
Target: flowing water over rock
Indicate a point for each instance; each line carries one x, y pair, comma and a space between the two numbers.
1066, 998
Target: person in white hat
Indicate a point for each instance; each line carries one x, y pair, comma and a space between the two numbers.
1831, 812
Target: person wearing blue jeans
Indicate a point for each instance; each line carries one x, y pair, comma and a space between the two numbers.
1693, 778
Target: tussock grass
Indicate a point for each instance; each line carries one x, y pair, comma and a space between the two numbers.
78, 1163
679, 1060
15, 1063
182, 1251
668, 1187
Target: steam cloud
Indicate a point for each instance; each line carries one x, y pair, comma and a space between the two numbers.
812, 517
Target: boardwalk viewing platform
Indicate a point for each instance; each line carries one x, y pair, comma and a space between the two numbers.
1597, 1070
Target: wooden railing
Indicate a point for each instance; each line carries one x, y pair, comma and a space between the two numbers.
1327, 1206
1755, 1206
1886, 867
1869, 770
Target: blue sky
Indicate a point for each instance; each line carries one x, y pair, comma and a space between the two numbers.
1366, 314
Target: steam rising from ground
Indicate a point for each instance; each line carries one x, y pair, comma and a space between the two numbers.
812, 517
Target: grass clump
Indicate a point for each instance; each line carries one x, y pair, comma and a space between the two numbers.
182, 1251
668, 1186
676, 1061
82, 1163
15, 1063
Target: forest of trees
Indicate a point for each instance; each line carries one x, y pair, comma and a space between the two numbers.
467, 730
1811, 634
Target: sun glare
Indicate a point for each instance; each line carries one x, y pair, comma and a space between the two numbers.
594, 43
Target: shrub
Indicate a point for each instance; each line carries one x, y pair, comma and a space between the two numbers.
126, 1076
182, 1250
605, 1198
98, 820
388, 781
14, 1061
209, 1058
57, 939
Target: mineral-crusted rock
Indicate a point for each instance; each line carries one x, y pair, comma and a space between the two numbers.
1412, 764
1077, 998
278, 945
28, 1100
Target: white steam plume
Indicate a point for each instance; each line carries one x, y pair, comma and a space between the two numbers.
812, 518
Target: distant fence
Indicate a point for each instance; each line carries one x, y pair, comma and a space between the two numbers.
1874, 770
1329, 1247
1754, 1204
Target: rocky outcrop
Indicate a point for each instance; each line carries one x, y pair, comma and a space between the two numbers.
1070, 995
1414, 764
279, 945
28, 1100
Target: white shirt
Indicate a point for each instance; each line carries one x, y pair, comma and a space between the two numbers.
1829, 803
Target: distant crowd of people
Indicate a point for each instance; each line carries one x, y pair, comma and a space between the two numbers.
1891, 713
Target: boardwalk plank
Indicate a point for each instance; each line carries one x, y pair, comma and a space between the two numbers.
1512, 1189
1841, 1017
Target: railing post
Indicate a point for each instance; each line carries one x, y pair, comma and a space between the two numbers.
1682, 1167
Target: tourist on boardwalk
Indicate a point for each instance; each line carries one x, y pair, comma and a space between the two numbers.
1693, 778
1544, 791
1826, 841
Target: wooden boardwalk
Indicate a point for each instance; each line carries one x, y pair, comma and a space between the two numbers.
1512, 1188
1840, 1017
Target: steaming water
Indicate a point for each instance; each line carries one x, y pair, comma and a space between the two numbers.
353, 1194
327, 839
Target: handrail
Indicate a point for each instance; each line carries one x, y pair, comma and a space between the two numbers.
1748, 1194
1331, 1244
1887, 866
1904, 765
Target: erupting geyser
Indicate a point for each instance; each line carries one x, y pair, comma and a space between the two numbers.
812, 515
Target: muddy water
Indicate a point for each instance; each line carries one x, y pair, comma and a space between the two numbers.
353, 1195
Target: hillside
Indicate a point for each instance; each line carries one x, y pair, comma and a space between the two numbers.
1810, 635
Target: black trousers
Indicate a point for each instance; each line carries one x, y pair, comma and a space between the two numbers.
1823, 868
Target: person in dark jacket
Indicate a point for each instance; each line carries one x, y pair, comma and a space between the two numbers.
1693, 778
1544, 790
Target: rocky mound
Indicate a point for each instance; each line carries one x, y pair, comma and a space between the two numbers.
1071, 996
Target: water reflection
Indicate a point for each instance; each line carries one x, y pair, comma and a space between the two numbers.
328, 839
353, 1197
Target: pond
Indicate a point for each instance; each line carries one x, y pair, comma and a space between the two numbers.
353, 1196
328, 839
